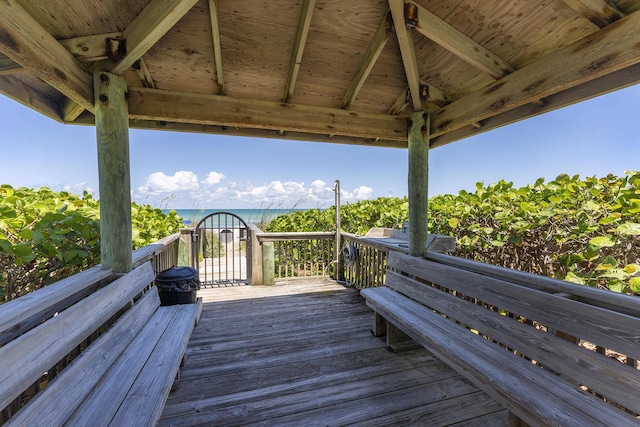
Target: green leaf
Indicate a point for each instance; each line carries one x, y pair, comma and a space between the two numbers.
628, 229
573, 278
602, 241
616, 286
454, 222
634, 284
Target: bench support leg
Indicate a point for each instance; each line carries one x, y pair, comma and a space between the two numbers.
398, 341
515, 421
379, 326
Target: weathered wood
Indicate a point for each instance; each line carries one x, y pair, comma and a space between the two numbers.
25, 42
459, 44
268, 264
407, 49
112, 131
57, 402
7, 66
606, 51
153, 104
599, 12
146, 398
38, 349
418, 182
19, 315
148, 27
537, 399
27, 95
89, 48
217, 50
298, 49
326, 366
378, 42
552, 352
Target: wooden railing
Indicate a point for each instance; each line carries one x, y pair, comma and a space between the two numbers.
368, 265
301, 254
21, 314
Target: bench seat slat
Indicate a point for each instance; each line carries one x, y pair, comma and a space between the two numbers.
610, 329
103, 401
63, 395
597, 371
147, 396
42, 347
514, 381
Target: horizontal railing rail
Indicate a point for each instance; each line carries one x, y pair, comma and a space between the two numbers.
364, 260
300, 254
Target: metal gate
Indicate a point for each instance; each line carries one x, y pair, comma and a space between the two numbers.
221, 241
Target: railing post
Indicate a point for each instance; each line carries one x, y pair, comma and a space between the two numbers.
268, 264
256, 255
185, 247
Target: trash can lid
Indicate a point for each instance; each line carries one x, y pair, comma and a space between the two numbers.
177, 273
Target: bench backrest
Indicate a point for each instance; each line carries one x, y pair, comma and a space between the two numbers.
542, 324
39, 349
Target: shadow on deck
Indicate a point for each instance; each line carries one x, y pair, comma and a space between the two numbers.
301, 354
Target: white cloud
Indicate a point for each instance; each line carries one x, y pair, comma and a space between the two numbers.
214, 178
187, 190
158, 183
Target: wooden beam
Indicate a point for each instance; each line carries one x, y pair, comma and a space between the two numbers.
140, 67
369, 59
7, 66
599, 12
153, 104
25, 42
600, 86
467, 49
112, 131
418, 182
89, 48
217, 50
298, 49
158, 17
613, 48
407, 51
26, 95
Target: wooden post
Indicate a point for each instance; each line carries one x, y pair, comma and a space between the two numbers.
268, 266
185, 247
112, 130
255, 256
418, 182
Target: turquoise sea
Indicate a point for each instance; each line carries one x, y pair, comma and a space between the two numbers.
250, 216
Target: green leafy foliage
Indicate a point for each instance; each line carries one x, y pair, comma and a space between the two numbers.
46, 235
585, 231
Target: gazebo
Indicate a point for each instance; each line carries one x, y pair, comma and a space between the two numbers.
391, 73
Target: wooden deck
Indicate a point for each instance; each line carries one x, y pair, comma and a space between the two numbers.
302, 354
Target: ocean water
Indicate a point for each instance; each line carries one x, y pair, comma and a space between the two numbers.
250, 216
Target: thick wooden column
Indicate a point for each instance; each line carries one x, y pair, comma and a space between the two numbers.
112, 130
418, 182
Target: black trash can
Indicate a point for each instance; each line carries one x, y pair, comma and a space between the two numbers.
178, 285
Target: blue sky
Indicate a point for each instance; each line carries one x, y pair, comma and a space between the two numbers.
185, 171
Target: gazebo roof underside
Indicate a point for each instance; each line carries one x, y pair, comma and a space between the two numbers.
343, 71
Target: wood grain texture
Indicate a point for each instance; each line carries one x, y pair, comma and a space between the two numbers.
57, 402
248, 365
37, 350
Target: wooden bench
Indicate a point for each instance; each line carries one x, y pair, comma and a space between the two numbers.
533, 343
126, 351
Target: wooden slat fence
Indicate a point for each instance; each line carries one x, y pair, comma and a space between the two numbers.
303, 254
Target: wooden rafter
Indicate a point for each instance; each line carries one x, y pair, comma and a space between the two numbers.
24, 94
434, 28
140, 67
25, 42
217, 50
599, 12
369, 59
434, 100
407, 51
298, 49
614, 81
606, 51
7, 66
153, 104
158, 17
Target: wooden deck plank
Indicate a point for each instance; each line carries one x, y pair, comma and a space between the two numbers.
301, 353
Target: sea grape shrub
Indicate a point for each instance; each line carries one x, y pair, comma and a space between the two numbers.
585, 231
46, 236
